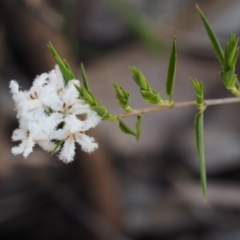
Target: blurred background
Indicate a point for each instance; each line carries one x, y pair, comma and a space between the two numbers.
126, 190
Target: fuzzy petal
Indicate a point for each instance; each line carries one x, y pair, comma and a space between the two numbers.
87, 143
46, 145
19, 149
18, 134
68, 151
29, 147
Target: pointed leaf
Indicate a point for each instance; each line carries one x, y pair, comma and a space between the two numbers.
84, 77
87, 96
57, 147
200, 149
63, 65
171, 71
103, 112
124, 128
216, 45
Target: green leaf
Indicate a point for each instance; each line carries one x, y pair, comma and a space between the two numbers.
139, 126
216, 45
103, 113
231, 53
84, 77
171, 71
124, 128
87, 96
200, 149
57, 147
63, 65
68, 67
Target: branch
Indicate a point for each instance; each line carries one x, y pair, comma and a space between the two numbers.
209, 102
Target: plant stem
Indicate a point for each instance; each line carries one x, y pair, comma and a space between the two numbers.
208, 102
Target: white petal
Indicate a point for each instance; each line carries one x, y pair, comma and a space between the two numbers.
73, 124
18, 96
19, 149
46, 145
92, 120
18, 134
29, 147
56, 79
39, 82
59, 134
87, 143
68, 150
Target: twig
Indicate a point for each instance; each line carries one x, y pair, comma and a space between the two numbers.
209, 102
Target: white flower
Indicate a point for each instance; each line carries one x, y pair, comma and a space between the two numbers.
26, 145
68, 150
51, 111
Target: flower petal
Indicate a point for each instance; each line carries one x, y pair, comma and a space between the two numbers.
68, 150
87, 143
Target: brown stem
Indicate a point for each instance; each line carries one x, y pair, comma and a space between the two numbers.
208, 102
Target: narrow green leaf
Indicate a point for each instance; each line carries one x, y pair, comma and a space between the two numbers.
63, 65
171, 71
231, 52
57, 147
235, 57
124, 128
103, 113
87, 96
139, 126
216, 45
84, 77
69, 68
200, 149
100, 110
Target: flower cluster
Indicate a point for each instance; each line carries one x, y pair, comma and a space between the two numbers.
52, 116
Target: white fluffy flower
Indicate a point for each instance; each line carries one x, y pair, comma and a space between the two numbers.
49, 113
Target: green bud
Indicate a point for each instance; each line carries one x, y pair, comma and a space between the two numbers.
139, 78
199, 93
122, 96
151, 96
229, 78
